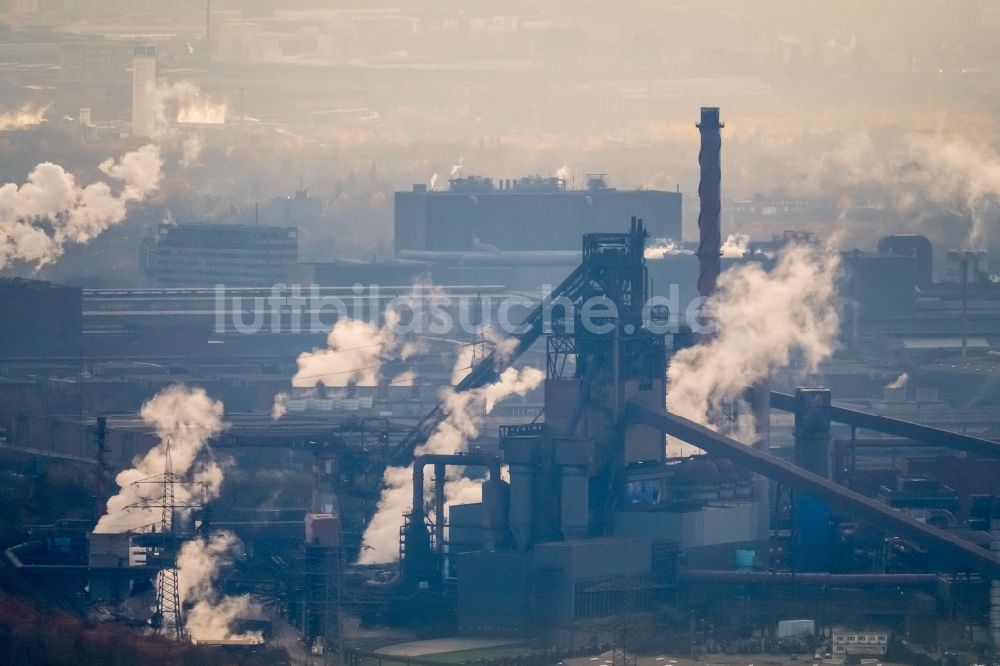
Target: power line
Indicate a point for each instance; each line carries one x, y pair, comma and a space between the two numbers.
336, 372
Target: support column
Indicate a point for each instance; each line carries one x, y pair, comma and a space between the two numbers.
496, 503
439, 520
418, 564
417, 510
522, 480
995, 587
811, 524
520, 455
574, 505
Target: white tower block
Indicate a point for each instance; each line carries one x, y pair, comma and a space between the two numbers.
143, 90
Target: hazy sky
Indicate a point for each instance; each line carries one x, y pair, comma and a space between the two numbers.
354, 101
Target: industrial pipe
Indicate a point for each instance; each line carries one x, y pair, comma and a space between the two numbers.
957, 551
899, 428
808, 578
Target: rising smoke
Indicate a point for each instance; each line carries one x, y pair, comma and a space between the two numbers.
210, 615
899, 382
50, 210
735, 246
405, 378
184, 102
765, 321
463, 363
26, 116
965, 177
354, 354
915, 177
39, 218
184, 419
191, 148
180, 107
356, 350
465, 413
566, 175
490, 336
280, 406
663, 247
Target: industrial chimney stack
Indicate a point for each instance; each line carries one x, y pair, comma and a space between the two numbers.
144, 90
710, 194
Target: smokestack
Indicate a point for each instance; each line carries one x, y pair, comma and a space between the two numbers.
710, 195
811, 515
208, 40
143, 90
102, 465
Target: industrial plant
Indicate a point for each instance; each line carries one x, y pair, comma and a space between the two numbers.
317, 350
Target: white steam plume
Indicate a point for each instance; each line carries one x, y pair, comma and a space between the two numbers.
191, 148
965, 176
662, 247
50, 210
23, 118
491, 338
406, 378
764, 321
183, 102
184, 419
464, 416
899, 382
354, 355
463, 363
356, 350
735, 246
918, 173
280, 406
211, 615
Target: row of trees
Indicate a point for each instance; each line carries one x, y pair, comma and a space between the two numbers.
30, 635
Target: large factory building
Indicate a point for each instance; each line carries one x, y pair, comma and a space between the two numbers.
206, 254
39, 319
530, 214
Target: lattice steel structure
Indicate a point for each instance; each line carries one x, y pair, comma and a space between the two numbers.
169, 613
